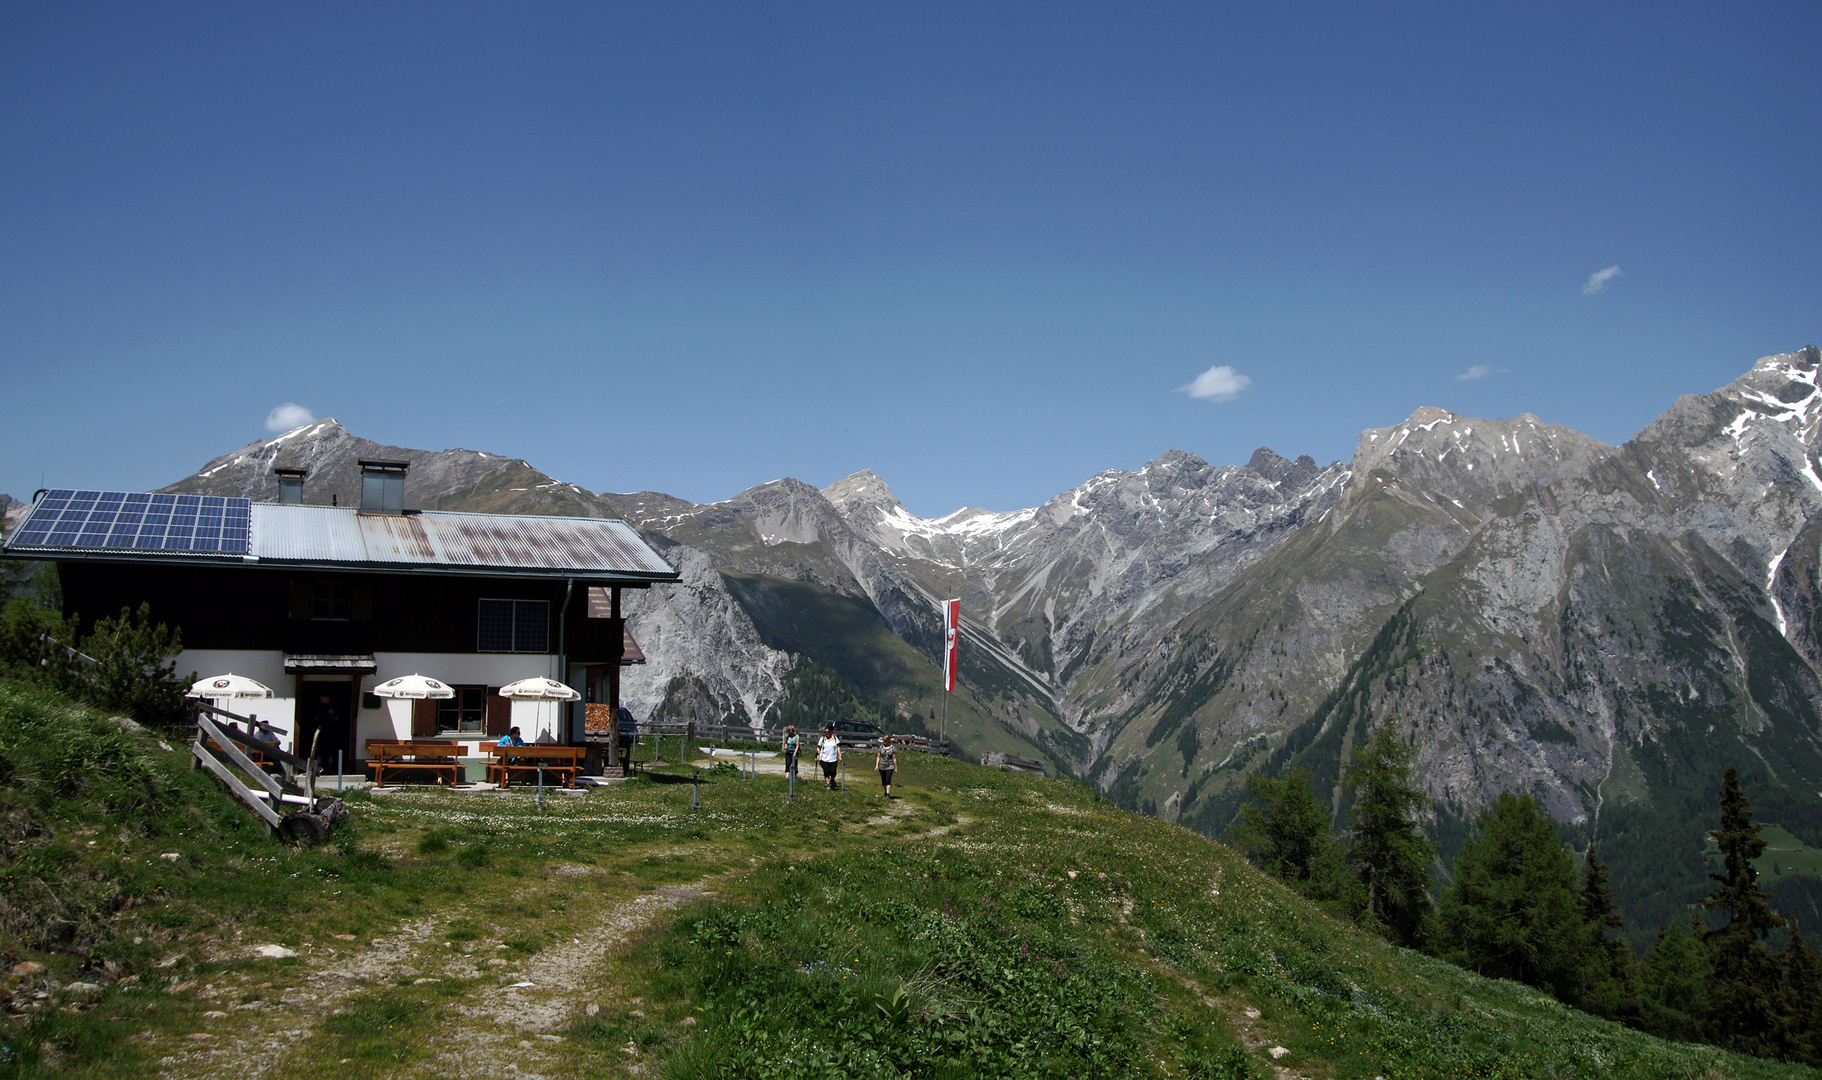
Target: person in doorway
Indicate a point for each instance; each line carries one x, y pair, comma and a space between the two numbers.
331, 730
887, 763
828, 753
790, 744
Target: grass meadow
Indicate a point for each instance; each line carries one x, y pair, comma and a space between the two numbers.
985, 924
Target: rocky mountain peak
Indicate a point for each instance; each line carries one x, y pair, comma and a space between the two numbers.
454, 479
1282, 470
861, 491
1470, 459
1782, 389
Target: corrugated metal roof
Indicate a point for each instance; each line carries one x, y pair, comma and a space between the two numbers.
444, 539
429, 540
308, 533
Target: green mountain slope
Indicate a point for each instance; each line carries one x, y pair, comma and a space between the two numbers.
848, 634
984, 924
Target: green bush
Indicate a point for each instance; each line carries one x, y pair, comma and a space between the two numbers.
134, 669
126, 664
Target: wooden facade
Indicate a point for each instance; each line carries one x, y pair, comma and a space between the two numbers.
325, 604
314, 628
221, 607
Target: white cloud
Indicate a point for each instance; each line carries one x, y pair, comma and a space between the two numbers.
1220, 383
287, 416
1597, 281
1478, 371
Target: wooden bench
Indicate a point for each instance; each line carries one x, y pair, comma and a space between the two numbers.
435, 755
564, 761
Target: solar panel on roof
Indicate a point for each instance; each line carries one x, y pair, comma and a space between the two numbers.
136, 521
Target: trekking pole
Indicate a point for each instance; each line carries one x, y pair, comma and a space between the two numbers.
338, 772
540, 785
844, 773
695, 789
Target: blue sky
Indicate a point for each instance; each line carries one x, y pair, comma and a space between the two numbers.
979, 248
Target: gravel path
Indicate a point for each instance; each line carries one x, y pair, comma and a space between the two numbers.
506, 1029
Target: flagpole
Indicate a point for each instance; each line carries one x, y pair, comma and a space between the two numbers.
951, 637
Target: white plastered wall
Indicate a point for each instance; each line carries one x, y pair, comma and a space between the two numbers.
261, 665
538, 721
456, 669
393, 719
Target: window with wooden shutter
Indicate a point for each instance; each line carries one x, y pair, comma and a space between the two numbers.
423, 718
499, 713
465, 713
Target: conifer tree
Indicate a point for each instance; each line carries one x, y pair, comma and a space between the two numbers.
1284, 830
1745, 992
1390, 856
1610, 971
1801, 1009
1512, 911
1674, 998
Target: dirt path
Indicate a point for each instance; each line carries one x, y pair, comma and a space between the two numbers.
266, 1019
506, 1028
511, 1030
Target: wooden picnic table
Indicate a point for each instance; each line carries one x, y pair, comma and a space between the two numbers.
564, 761
432, 754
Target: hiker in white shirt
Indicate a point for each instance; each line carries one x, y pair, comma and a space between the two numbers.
828, 751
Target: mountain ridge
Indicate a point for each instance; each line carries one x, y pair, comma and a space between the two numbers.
1537, 610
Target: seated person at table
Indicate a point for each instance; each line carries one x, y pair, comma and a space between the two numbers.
511, 738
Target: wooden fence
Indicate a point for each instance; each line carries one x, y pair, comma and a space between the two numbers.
719, 734
221, 747
1013, 763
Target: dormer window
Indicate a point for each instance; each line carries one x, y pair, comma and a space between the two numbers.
290, 485
383, 486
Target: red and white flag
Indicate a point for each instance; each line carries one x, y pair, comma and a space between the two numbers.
952, 629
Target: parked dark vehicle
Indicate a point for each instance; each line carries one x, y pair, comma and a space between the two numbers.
629, 730
857, 731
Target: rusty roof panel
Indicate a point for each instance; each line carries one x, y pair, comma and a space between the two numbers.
430, 541
448, 541
396, 538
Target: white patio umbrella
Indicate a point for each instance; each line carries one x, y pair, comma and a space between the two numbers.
539, 689
413, 686
229, 686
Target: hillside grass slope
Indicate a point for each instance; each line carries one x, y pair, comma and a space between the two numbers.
984, 924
